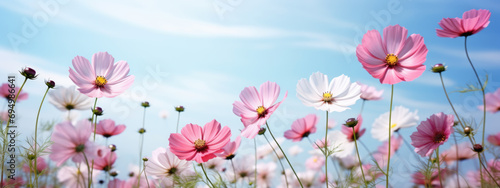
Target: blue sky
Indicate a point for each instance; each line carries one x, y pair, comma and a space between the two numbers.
201, 54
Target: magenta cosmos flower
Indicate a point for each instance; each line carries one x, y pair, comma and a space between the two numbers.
199, 144
394, 58
471, 22
494, 139
302, 128
492, 102
107, 128
255, 108
432, 133
72, 142
229, 149
4, 92
102, 78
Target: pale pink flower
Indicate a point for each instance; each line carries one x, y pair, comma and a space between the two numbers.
331, 124
230, 148
381, 155
164, 164
348, 162
102, 78
394, 59
334, 96
315, 162
216, 164
492, 102
71, 176
5, 93
199, 144
464, 152
494, 139
349, 132
105, 159
17, 182
295, 150
107, 128
4, 117
401, 118
68, 98
117, 183
255, 108
71, 142
265, 174
302, 128
370, 93
244, 169
471, 22
41, 166
432, 133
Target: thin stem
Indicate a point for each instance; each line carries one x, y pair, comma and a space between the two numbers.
439, 167
456, 152
449, 101
255, 167
357, 152
366, 148
145, 175
178, 118
362, 106
326, 150
390, 126
277, 156
88, 169
141, 144
271, 133
36, 131
487, 171
94, 121
7, 127
202, 168
234, 173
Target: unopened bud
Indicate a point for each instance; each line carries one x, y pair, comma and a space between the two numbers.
51, 84
145, 104
351, 122
142, 130
437, 68
29, 73
478, 148
97, 111
468, 130
179, 108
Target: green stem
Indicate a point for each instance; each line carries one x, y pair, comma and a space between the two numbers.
271, 133
7, 127
277, 156
93, 121
204, 172
326, 150
145, 175
390, 126
456, 152
141, 145
359, 158
36, 131
88, 170
234, 172
178, 118
255, 167
439, 167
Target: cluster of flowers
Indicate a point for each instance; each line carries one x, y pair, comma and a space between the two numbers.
391, 57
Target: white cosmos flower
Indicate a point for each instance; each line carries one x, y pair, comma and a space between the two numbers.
164, 164
68, 98
401, 118
336, 96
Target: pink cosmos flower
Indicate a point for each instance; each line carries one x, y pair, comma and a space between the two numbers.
265, 174
432, 133
199, 144
71, 142
76, 177
464, 152
255, 108
315, 162
494, 139
107, 128
4, 92
395, 58
370, 93
381, 155
302, 128
102, 78
492, 102
471, 22
17, 182
105, 159
244, 170
229, 149
349, 133
41, 166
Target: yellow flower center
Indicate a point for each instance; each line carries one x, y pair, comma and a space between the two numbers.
393, 125
261, 111
100, 81
327, 97
200, 144
391, 59
315, 160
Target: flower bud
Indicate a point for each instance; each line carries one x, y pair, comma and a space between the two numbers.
478, 148
351, 122
29, 73
113, 173
97, 111
145, 104
142, 130
51, 84
179, 108
145, 159
262, 130
31, 156
437, 68
468, 130
112, 147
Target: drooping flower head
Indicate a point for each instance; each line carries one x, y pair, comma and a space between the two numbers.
395, 58
255, 108
401, 118
5, 93
107, 128
199, 144
432, 133
471, 22
302, 128
68, 98
102, 78
229, 150
164, 164
71, 142
334, 96
370, 93
492, 102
